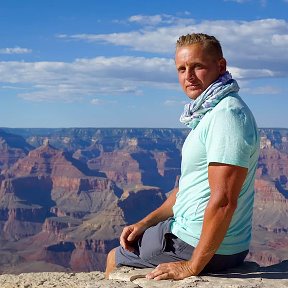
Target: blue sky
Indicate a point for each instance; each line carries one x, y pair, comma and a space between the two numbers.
90, 63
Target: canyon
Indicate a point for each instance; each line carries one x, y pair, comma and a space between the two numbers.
66, 194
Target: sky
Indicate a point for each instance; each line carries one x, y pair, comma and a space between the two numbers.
90, 63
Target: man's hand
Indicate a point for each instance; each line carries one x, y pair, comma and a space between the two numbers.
130, 234
172, 270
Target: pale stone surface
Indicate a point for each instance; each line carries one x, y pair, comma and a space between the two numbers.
249, 275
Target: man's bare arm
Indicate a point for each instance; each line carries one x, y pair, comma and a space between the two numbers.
134, 231
163, 212
225, 183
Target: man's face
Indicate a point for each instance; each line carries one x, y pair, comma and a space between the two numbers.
196, 69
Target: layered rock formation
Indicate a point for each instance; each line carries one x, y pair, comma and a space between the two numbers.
47, 195
270, 233
65, 201
69, 211
12, 148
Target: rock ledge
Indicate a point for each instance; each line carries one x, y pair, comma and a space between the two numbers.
250, 275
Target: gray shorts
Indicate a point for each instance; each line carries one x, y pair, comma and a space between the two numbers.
159, 245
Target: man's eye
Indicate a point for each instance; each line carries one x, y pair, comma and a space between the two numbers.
198, 66
181, 70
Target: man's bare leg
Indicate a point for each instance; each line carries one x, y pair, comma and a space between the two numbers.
110, 264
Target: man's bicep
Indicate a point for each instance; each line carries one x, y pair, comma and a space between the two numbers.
225, 182
229, 139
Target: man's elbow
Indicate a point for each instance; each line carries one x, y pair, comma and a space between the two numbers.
228, 206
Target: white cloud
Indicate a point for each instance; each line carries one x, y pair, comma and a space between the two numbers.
239, 73
280, 40
147, 20
60, 81
237, 1
96, 101
174, 103
155, 20
90, 78
254, 49
11, 87
262, 90
259, 44
15, 50
263, 3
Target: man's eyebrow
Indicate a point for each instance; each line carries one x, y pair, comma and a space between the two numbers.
190, 64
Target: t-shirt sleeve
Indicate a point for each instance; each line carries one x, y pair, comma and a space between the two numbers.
229, 138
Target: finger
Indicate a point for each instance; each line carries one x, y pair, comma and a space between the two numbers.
156, 272
122, 242
126, 231
131, 236
158, 275
123, 237
163, 276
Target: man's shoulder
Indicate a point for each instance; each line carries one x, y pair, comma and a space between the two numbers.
230, 116
231, 102
232, 107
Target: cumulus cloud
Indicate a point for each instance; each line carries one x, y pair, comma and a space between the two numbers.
54, 81
89, 78
15, 50
239, 73
258, 44
160, 19
254, 49
147, 20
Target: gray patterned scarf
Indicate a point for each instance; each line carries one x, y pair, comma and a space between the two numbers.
195, 110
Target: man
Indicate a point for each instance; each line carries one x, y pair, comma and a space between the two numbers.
205, 224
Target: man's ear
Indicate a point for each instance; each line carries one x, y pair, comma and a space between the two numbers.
222, 65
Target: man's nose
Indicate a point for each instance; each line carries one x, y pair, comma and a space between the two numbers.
189, 74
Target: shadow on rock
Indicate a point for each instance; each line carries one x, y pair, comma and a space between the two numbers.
253, 270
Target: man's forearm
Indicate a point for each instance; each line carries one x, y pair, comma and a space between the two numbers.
216, 223
163, 212
225, 183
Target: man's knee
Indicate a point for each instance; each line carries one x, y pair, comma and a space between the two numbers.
110, 263
111, 257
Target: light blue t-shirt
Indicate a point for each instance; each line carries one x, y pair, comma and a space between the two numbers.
227, 134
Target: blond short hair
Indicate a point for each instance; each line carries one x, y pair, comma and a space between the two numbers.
209, 43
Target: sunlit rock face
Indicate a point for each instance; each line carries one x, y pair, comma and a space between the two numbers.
66, 194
